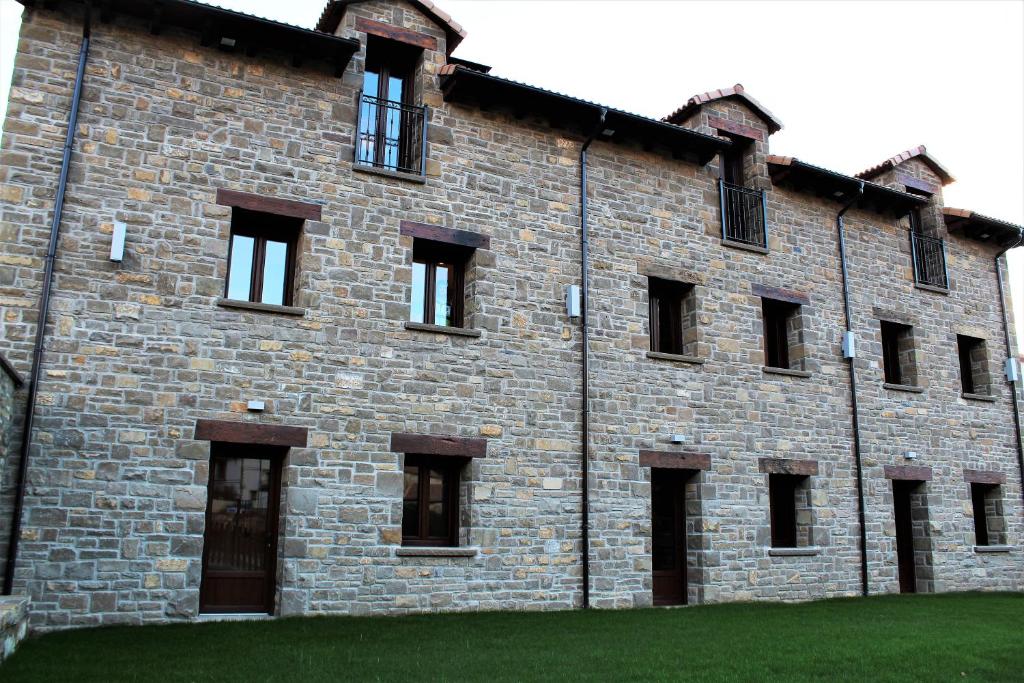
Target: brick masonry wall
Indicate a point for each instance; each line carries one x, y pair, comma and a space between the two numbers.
139, 351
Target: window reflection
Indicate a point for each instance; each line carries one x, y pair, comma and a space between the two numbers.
442, 311
240, 267
275, 265
419, 292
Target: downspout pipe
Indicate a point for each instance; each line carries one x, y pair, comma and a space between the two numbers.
841, 230
585, 383
1009, 355
44, 309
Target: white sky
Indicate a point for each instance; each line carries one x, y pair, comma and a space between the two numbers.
854, 82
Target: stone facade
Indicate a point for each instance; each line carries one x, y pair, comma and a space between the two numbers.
138, 351
10, 382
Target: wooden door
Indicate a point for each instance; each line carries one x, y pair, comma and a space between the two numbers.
240, 544
668, 534
901, 491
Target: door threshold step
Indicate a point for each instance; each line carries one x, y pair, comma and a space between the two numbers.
240, 616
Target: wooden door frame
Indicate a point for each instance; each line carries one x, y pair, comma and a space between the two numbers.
276, 455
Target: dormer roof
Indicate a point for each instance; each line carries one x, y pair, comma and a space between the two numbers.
736, 91
902, 157
333, 13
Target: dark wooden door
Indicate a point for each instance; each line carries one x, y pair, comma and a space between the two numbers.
668, 534
240, 546
901, 491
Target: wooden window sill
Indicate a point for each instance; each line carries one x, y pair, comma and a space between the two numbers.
675, 357
994, 548
906, 388
744, 246
387, 173
262, 308
788, 372
988, 398
807, 551
931, 288
426, 551
441, 329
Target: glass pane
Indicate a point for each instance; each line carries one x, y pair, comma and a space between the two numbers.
410, 503
395, 89
240, 268
275, 264
438, 521
237, 535
442, 311
368, 119
419, 292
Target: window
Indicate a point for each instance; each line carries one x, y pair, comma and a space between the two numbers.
973, 365
987, 506
782, 333
898, 354
731, 162
390, 130
261, 257
438, 283
430, 501
790, 515
673, 316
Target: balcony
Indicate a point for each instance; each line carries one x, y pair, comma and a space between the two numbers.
391, 136
743, 216
929, 261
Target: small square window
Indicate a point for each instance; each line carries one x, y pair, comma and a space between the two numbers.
987, 504
261, 257
438, 283
430, 501
974, 378
673, 317
788, 500
783, 334
898, 354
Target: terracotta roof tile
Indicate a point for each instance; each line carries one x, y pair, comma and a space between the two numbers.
333, 13
692, 104
907, 155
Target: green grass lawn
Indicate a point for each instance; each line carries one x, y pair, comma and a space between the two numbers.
972, 636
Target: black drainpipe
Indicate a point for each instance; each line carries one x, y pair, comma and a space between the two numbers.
1009, 355
840, 228
44, 308
585, 390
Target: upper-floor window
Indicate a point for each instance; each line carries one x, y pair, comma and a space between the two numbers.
430, 501
898, 360
782, 334
974, 376
438, 283
391, 130
929, 254
743, 209
261, 257
673, 314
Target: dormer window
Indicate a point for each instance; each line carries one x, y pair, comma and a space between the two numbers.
391, 128
743, 209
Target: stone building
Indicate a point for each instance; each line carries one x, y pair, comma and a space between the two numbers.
320, 337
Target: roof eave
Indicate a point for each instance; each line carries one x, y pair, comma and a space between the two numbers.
981, 228
250, 34
839, 187
462, 85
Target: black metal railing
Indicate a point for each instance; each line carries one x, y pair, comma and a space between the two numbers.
743, 214
391, 135
929, 260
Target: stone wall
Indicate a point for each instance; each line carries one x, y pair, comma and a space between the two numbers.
13, 624
140, 350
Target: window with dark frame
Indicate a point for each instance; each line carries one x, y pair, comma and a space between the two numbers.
670, 310
972, 356
430, 501
391, 126
898, 353
978, 495
782, 492
778, 317
261, 257
438, 283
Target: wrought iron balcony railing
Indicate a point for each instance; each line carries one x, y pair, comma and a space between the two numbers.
929, 260
744, 214
391, 135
